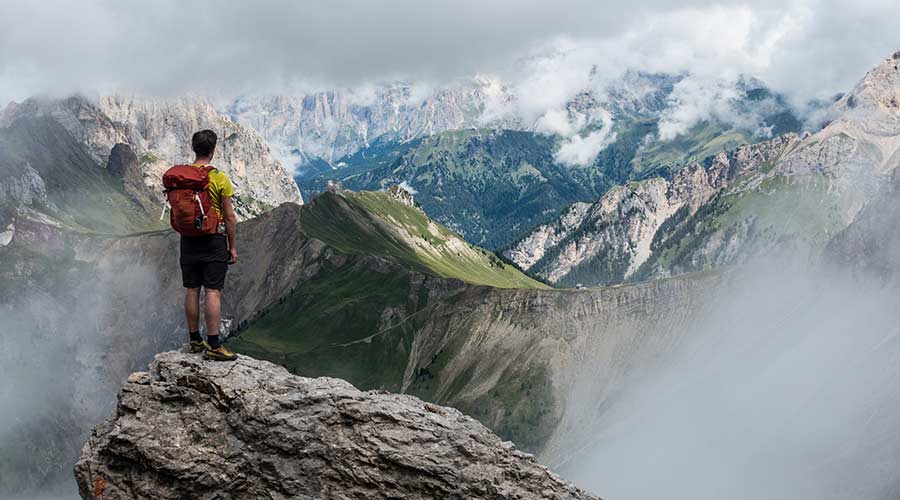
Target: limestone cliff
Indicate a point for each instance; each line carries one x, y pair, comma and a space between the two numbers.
134, 140
191, 428
608, 241
329, 125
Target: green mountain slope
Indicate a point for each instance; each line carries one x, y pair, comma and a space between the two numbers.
376, 223
357, 312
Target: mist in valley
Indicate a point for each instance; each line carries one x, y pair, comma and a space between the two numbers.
64, 351
789, 389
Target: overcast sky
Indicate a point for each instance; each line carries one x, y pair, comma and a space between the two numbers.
168, 47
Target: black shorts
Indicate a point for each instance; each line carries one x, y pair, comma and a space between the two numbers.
204, 261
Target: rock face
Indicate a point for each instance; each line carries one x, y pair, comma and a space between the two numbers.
160, 132
333, 124
191, 428
608, 241
137, 140
870, 246
862, 141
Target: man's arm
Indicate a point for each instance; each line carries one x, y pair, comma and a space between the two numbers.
230, 227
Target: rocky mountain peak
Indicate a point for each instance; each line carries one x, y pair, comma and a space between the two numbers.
864, 137
190, 428
878, 91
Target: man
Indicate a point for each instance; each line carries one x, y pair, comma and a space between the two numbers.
205, 259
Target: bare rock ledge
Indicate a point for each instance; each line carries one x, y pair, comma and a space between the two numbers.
191, 428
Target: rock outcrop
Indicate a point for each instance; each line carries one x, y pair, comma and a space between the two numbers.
608, 241
191, 428
860, 146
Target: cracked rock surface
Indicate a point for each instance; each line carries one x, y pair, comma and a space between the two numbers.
192, 428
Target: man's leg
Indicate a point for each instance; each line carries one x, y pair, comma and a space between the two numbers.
213, 282
192, 309
212, 311
192, 279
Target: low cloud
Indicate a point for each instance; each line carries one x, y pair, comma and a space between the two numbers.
695, 100
581, 149
786, 388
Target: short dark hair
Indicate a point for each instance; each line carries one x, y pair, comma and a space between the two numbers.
204, 142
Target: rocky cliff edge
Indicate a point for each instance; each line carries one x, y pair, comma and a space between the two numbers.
191, 428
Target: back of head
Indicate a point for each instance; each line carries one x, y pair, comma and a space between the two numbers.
204, 143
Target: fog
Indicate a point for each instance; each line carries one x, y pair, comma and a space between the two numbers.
789, 389
65, 346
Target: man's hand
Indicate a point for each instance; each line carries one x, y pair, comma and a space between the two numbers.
232, 255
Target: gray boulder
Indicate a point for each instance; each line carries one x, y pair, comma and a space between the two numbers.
191, 428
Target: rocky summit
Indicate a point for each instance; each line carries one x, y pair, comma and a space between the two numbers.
190, 428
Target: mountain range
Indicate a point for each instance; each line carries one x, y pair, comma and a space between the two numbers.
470, 145
380, 280
792, 191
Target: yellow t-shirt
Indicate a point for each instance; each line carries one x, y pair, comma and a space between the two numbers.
219, 188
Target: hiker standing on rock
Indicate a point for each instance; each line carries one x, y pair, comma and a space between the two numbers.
199, 197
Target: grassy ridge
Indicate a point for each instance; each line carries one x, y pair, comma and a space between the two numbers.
356, 321
374, 223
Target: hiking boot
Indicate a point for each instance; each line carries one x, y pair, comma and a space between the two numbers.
197, 347
220, 353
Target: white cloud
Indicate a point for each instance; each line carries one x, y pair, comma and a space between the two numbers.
582, 149
558, 121
694, 100
408, 188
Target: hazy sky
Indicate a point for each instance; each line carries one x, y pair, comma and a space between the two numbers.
804, 47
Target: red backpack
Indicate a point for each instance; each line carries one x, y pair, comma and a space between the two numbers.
192, 213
